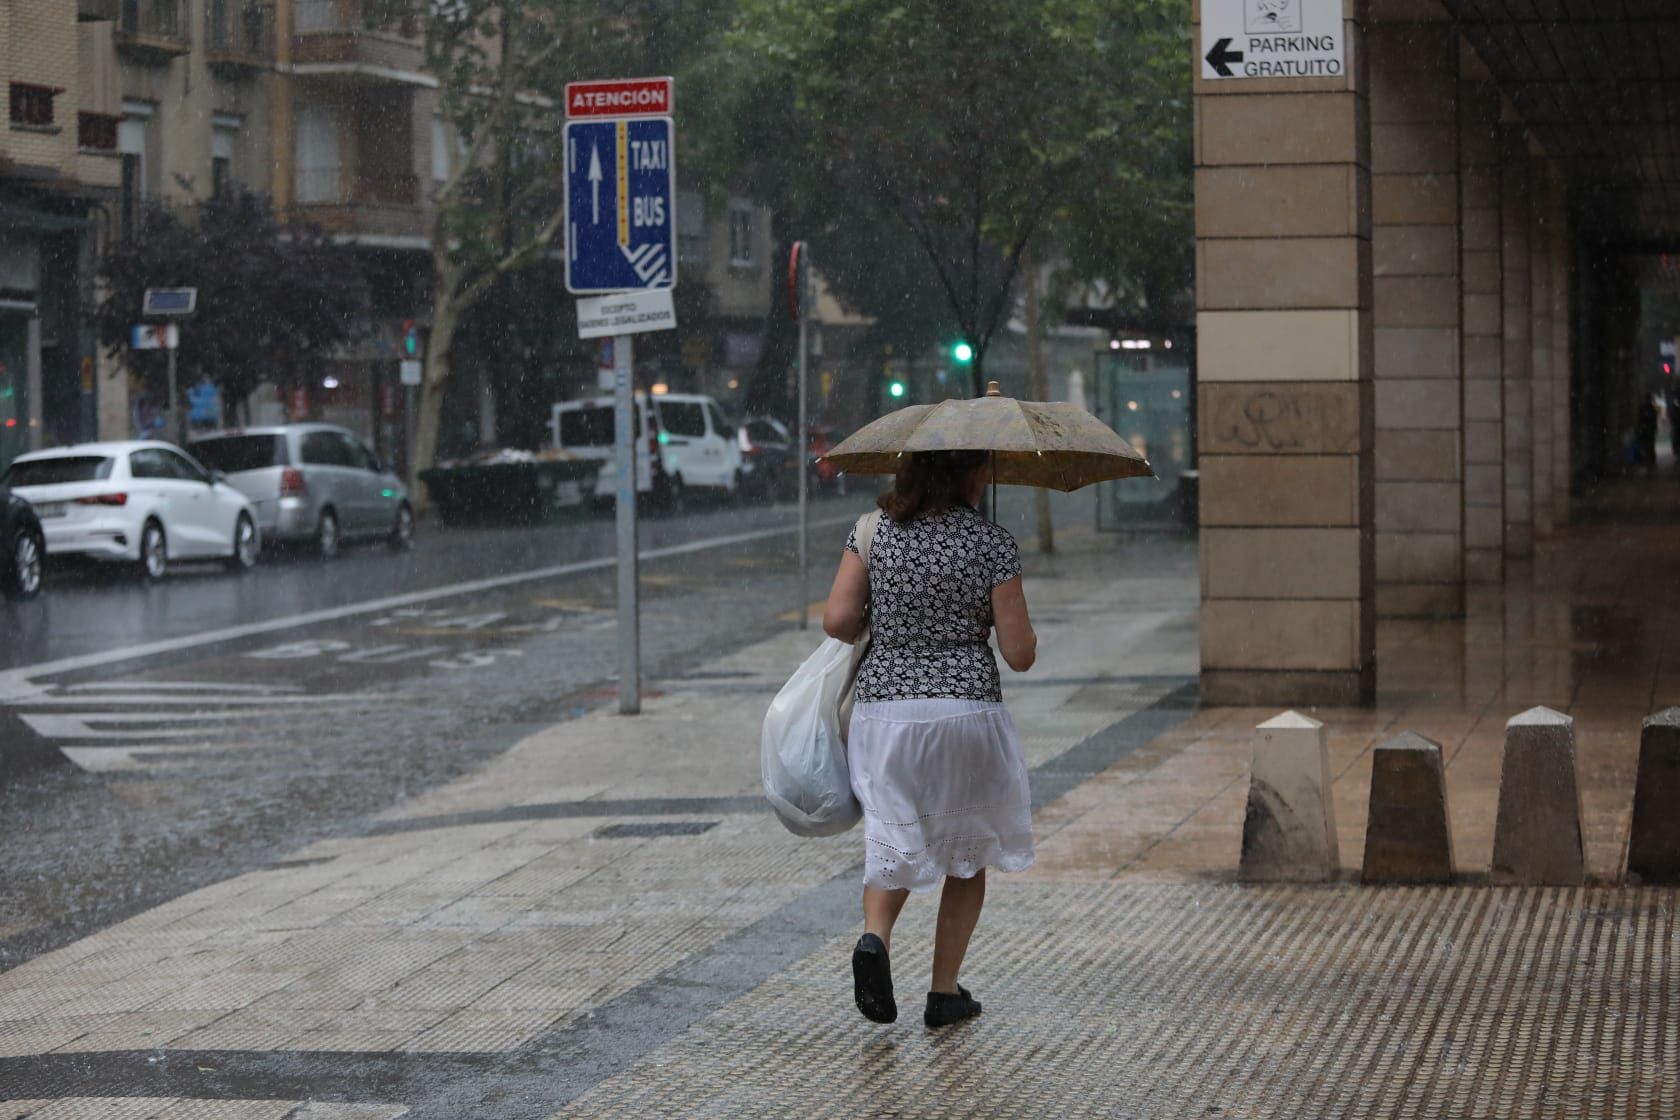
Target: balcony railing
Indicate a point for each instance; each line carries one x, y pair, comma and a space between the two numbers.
239, 34
153, 31
368, 205
331, 186
394, 17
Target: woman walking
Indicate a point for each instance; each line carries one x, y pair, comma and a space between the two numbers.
935, 759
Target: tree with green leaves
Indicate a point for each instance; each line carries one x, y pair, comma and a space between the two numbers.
274, 297
502, 67
980, 125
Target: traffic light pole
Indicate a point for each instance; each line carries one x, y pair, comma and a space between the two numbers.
629, 607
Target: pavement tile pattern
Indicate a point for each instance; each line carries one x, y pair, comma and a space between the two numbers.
490, 930
1143, 999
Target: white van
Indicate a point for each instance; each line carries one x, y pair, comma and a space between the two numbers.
684, 442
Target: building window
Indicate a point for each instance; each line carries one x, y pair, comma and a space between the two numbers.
32, 105
317, 154
440, 151
740, 234
691, 227
133, 190
96, 132
131, 142
224, 137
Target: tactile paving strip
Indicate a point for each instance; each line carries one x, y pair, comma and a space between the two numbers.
1171, 1000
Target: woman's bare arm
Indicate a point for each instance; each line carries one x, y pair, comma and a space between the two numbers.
1016, 640
848, 599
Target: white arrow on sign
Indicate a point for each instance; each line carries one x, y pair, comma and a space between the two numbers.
595, 179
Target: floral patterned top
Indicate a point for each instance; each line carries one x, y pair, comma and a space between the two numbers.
930, 606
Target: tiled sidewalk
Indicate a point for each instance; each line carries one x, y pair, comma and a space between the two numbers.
604, 923
510, 913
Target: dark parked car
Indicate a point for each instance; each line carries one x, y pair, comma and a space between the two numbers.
23, 548
825, 438
768, 468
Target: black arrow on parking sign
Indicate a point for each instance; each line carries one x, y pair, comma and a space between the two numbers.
1220, 58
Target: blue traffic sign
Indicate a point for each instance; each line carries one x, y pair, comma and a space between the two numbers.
621, 205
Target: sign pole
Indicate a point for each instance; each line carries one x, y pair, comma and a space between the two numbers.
799, 300
620, 198
410, 422
804, 475
629, 629
177, 431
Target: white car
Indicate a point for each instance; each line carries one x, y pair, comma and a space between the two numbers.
139, 502
683, 442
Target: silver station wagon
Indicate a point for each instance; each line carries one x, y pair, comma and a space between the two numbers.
315, 483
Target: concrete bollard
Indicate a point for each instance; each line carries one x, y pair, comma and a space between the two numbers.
1406, 838
1537, 836
1289, 831
1654, 841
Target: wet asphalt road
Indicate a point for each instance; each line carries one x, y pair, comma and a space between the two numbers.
182, 733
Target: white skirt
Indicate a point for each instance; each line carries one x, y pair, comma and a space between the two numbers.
943, 788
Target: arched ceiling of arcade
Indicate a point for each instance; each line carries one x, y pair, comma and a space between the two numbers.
1598, 82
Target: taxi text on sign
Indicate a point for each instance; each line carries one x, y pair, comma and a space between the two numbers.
621, 211
1272, 39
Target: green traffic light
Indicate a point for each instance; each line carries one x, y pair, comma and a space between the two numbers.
896, 389
962, 352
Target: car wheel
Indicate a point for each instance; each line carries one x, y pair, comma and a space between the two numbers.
402, 533
245, 546
326, 535
23, 581
154, 552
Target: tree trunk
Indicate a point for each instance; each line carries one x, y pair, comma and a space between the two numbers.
1037, 389
446, 316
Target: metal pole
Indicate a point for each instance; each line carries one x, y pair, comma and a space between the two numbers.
176, 430
411, 420
624, 429
804, 443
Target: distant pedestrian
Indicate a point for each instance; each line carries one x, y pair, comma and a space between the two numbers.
1671, 408
1645, 432
935, 759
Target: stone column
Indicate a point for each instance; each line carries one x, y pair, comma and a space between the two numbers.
1283, 297
1563, 255
1483, 324
1415, 314
1540, 341
1513, 247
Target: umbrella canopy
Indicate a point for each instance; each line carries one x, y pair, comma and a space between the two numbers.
1055, 445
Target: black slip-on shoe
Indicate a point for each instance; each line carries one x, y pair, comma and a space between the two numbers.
943, 1008
872, 980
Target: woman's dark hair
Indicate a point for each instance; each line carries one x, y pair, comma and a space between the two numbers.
930, 481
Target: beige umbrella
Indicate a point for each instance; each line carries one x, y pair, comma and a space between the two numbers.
1054, 444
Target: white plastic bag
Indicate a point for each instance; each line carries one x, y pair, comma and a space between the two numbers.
802, 749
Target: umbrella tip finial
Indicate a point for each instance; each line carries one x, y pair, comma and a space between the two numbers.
992, 389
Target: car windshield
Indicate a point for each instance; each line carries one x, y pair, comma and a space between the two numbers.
51, 472
231, 454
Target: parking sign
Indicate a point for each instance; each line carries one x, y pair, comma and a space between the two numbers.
621, 211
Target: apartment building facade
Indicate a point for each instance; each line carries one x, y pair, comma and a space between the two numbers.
325, 106
58, 167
